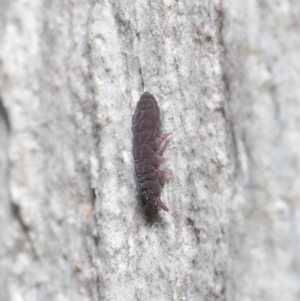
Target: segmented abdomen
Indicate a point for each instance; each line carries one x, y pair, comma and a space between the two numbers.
146, 128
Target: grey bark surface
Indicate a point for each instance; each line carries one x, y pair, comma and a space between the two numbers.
226, 76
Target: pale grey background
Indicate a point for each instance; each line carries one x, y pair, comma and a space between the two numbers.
227, 77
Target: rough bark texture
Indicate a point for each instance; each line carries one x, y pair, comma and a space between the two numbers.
226, 75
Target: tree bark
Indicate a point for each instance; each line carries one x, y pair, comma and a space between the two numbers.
226, 76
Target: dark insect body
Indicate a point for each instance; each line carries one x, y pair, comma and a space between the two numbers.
147, 138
